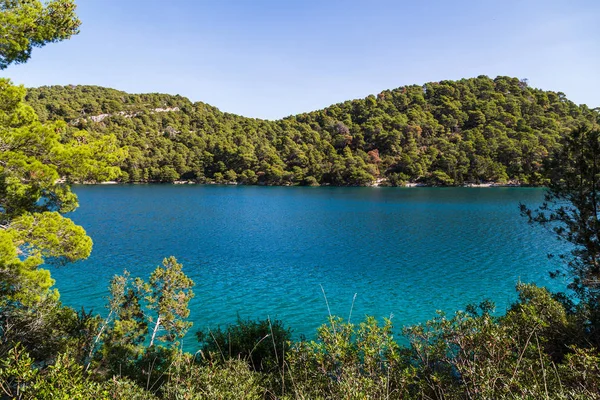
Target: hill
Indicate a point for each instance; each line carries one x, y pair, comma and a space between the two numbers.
441, 133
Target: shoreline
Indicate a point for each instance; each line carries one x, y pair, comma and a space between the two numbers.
374, 184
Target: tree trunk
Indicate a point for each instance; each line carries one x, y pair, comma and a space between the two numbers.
154, 331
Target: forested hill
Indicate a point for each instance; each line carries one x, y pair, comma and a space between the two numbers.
449, 132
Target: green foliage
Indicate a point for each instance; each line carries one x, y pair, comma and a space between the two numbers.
36, 161
262, 343
350, 362
170, 291
48, 330
571, 205
441, 133
477, 355
65, 379
122, 344
124, 330
473, 354
16, 370
229, 380
25, 24
581, 368
571, 210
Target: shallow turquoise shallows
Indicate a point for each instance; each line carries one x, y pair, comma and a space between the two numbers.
266, 251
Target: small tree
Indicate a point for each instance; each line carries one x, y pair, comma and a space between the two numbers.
170, 293
124, 329
570, 207
135, 305
137, 308
570, 210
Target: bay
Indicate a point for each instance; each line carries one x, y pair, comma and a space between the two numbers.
255, 252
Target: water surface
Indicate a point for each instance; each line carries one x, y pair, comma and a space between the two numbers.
266, 251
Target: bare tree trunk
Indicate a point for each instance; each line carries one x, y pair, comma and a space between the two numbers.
154, 331
91, 353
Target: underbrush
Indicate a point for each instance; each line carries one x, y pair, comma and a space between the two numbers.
538, 350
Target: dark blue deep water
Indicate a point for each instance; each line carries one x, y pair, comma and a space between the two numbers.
266, 251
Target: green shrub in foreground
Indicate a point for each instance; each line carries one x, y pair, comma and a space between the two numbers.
231, 379
263, 343
470, 355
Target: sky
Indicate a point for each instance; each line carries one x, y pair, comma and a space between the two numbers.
274, 58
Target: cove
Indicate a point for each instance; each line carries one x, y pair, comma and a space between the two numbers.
267, 251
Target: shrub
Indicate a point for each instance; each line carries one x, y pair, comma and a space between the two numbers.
231, 379
262, 343
349, 362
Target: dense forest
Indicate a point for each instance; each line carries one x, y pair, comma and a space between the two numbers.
441, 133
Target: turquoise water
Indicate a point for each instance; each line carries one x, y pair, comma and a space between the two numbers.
266, 251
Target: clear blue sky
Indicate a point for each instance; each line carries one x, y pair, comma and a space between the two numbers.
273, 58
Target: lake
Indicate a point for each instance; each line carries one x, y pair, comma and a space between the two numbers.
267, 251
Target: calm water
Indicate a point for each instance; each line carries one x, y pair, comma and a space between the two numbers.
266, 251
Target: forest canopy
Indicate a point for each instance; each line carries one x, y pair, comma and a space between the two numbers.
440, 133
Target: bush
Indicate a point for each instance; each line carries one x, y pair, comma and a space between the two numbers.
350, 362
262, 343
229, 380
65, 379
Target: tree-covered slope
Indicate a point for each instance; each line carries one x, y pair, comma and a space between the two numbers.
448, 132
